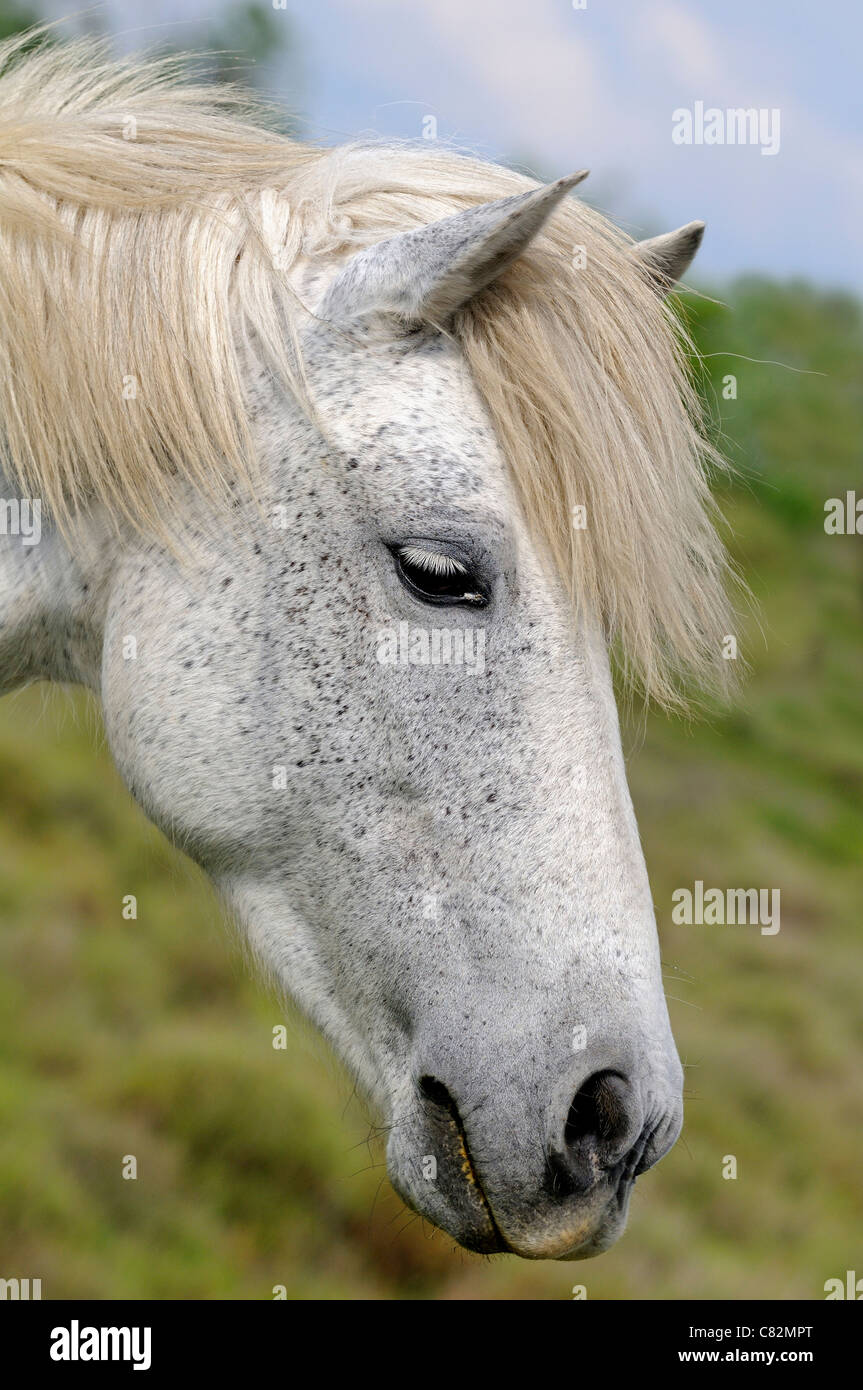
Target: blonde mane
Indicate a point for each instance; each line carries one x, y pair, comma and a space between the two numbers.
146, 224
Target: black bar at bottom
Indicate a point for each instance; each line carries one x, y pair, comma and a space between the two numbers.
85, 1340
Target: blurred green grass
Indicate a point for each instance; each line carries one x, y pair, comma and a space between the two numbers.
255, 1166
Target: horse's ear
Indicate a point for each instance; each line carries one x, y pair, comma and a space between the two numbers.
668, 257
424, 276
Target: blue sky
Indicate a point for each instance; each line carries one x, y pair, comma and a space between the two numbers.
558, 88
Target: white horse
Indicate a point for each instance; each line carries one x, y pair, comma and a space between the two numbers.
346, 467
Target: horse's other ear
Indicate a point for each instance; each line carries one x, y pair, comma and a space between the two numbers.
423, 276
668, 257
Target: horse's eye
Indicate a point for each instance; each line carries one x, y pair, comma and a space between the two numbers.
436, 577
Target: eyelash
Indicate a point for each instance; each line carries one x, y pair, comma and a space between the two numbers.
432, 561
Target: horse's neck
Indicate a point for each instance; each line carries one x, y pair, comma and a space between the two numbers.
52, 600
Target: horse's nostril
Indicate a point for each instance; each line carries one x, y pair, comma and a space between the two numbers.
601, 1113
437, 1093
599, 1130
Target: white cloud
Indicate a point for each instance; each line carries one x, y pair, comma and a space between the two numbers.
530, 69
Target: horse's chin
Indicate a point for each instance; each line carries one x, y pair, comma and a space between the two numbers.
609, 1230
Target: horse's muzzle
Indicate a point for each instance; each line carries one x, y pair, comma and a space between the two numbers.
499, 1182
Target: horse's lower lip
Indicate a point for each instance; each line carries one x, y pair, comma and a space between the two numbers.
578, 1240
563, 1244
490, 1240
